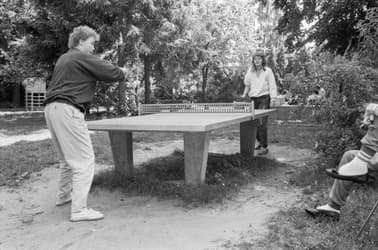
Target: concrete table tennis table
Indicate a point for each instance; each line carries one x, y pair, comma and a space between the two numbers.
196, 128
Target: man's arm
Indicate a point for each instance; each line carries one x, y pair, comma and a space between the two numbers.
103, 70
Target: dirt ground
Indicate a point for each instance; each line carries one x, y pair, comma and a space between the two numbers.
30, 219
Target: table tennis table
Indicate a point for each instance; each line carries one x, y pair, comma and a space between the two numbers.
196, 128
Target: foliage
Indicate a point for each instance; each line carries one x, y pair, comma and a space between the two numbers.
221, 35
330, 24
13, 66
300, 74
132, 31
226, 85
166, 40
369, 38
350, 86
203, 41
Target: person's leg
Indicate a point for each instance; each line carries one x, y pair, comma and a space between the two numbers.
65, 184
65, 181
358, 167
341, 188
256, 104
263, 102
338, 194
73, 137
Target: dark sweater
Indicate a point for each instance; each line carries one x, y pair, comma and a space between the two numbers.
75, 76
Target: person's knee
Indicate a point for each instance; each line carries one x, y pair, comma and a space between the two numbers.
348, 156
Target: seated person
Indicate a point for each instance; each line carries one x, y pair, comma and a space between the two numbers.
353, 167
321, 91
314, 98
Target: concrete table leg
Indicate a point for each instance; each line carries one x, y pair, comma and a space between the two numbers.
248, 132
196, 148
122, 149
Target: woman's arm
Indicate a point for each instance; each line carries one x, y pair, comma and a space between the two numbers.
272, 84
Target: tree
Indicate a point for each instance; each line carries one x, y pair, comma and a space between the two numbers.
12, 65
331, 24
369, 37
219, 35
136, 30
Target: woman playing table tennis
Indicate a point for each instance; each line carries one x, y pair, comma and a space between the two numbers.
260, 86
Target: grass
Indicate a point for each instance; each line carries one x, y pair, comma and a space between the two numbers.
163, 177
293, 229
21, 124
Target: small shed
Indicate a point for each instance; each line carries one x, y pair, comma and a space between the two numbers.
35, 93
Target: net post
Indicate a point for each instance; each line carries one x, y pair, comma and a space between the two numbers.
139, 108
252, 108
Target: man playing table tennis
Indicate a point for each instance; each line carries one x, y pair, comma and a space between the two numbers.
260, 86
69, 94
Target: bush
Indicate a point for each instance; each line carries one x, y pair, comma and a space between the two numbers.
350, 87
225, 86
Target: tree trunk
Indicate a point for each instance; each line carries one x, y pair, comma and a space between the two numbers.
121, 84
16, 96
205, 71
147, 74
348, 47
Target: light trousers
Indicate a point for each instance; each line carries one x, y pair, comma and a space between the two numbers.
71, 139
341, 189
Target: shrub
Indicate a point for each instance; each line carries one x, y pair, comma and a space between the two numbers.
225, 86
350, 87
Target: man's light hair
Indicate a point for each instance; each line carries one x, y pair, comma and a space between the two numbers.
81, 32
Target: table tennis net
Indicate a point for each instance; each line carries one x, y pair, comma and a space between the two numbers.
235, 107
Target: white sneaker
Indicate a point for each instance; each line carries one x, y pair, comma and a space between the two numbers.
328, 208
86, 215
263, 151
63, 202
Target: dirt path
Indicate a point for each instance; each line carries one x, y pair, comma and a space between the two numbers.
31, 221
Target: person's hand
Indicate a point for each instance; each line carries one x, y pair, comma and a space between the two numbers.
372, 109
367, 122
374, 161
371, 112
